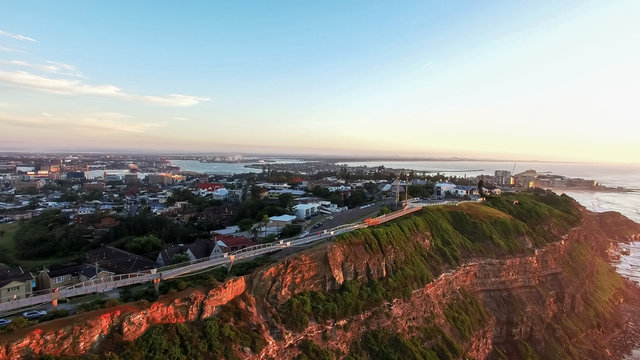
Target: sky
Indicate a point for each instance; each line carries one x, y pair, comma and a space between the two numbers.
530, 80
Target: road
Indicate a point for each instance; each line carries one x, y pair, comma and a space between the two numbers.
165, 273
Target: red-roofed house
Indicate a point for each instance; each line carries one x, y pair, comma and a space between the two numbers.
205, 189
228, 243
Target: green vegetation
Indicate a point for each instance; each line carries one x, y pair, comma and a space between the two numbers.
144, 225
148, 245
539, 210
208, 278
604, 286
290, 230
311, 351
431, 343
7, 243
466, 314
213, 338
352, 298
422, 191
456, 231
384, 211
200, 202
98, 304
48, 236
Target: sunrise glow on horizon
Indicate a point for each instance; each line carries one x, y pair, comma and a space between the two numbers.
523, 80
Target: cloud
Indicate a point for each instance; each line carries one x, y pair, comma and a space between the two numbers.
76, 87
16, 36
179, 118
50, 67
102, 122
10, 50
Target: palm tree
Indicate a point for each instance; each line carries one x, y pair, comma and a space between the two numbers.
265, 222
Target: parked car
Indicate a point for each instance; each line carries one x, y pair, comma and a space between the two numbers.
4, 322
33, 314
317, 225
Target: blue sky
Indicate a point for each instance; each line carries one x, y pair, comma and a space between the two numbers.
553, 80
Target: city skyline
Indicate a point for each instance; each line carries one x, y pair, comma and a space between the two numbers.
500, 80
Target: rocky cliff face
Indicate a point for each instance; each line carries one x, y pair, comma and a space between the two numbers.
528, 298
80, 334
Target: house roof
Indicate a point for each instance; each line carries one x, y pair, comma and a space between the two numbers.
284, 218
233, 241
9, 275
119, 261
84, 269
210, 186
201, 248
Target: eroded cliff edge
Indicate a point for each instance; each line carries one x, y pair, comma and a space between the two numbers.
495, 280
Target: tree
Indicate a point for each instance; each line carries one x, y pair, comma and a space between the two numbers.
480, 186
144, 244
245, 224
286, 202
265, 222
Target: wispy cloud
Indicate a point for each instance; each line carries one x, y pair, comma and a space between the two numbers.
9, 50
179, 118
49, 67
70, 87
104, 122
16, 36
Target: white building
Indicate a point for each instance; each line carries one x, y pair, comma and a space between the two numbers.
443, 188
305, 211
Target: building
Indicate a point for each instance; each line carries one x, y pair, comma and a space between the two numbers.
502, 177
199, 249
86, 211
131, 179
75, 175
275, 194
15, 283
57, 276
207, 189
22, 185
119, 261
443, 188
227, 243
160, 179
461, 190
281, 221
306, 211
111, 177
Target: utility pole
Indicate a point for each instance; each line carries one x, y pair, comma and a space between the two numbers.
406, 190
397, 191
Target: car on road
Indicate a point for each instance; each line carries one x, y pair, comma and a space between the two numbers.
304, 233
4, 322
317, 225
33, 314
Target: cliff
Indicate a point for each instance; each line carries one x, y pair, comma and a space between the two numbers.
495, 280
